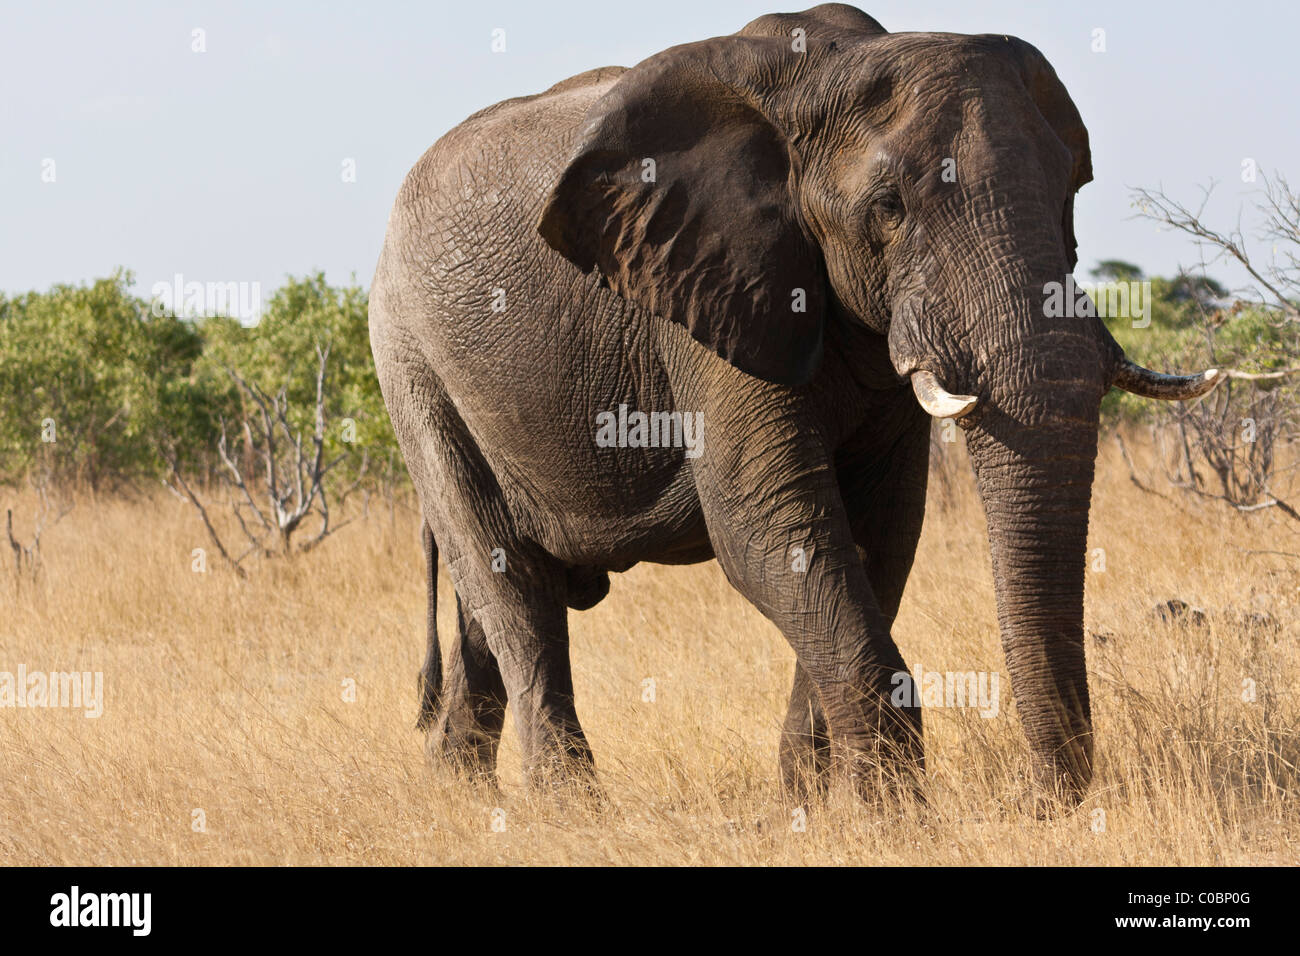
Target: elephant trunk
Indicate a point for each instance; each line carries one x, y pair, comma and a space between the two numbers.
1035, 469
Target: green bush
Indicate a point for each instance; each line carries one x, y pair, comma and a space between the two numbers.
90, 377
114, 385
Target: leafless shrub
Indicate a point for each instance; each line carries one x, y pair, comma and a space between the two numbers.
1227, 445
271, 507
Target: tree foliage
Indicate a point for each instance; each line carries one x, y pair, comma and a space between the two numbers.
99, 386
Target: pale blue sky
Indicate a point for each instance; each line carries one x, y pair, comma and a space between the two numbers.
225, 165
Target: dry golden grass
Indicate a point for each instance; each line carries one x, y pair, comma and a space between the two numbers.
226, 696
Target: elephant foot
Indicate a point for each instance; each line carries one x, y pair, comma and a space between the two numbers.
805, 753
574, 785
805, 761
805, 768
886, 761
559, 759
880, 777
881, 752
463, 718
465, 738
1058, 789
469, 756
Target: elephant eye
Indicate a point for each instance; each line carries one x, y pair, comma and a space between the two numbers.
889, 204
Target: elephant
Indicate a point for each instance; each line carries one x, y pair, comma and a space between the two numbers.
804, 241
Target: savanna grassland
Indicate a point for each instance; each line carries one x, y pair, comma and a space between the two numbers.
226, 696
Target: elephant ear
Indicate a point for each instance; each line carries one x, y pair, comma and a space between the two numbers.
681, 194
1058, 109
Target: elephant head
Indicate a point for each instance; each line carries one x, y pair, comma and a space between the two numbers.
816, 168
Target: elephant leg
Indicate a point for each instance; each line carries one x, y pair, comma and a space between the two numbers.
883, 484
525, 625
513, 646
466, 729
805, 754
512, 603
511, 600
781, 532
805, 749
464, 713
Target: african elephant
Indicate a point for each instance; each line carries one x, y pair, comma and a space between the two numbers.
805, 240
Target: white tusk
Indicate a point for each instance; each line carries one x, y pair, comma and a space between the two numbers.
937, 400
1174, 388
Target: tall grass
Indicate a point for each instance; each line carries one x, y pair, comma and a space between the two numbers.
226, 738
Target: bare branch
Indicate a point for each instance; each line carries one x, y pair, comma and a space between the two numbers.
238, 478
203, 513
1263, 376
1158, 207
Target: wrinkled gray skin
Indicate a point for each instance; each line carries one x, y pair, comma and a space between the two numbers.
775, 170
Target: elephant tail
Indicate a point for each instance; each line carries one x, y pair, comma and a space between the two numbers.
430, 680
